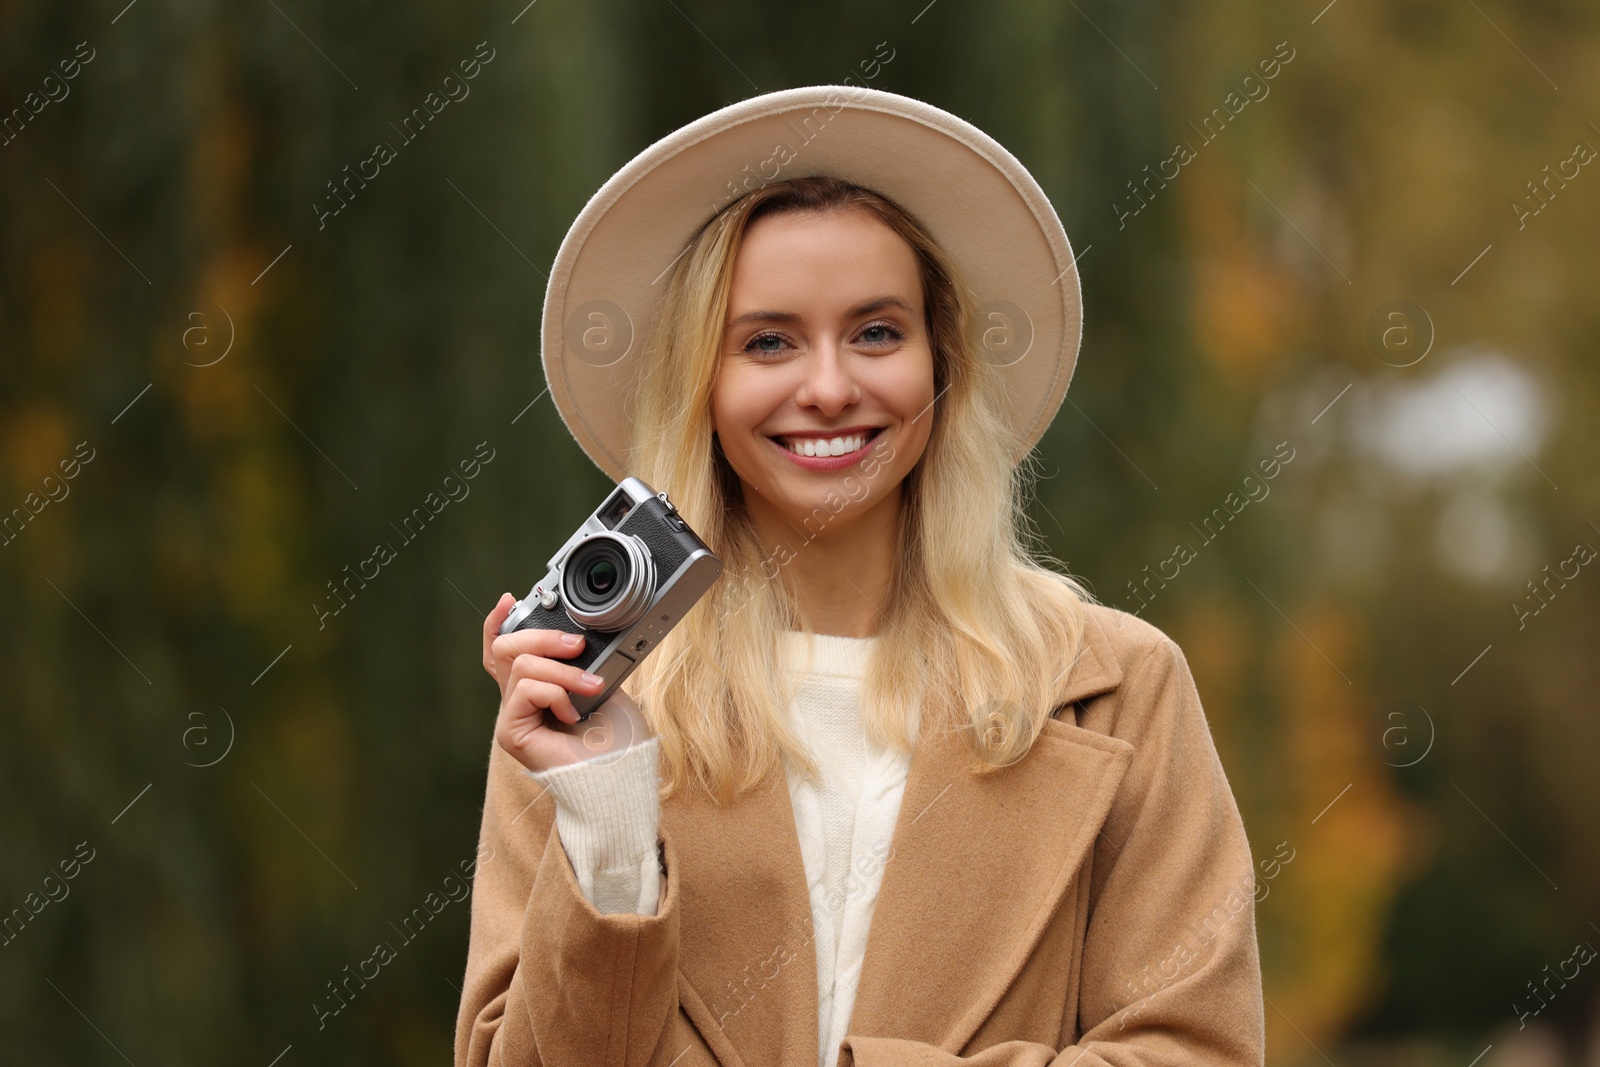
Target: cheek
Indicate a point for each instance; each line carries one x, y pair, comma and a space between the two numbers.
742, 401
734, 418
914, 397
912, 390
724, 406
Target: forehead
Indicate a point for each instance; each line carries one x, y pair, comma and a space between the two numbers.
820, 258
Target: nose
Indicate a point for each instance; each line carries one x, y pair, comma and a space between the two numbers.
828, 385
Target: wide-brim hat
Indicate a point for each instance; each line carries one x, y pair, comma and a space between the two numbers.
975, 198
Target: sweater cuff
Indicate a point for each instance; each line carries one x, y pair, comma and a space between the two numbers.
608, 816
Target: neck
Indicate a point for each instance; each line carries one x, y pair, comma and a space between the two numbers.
839, 573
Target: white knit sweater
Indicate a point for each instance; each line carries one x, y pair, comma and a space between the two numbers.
608, 814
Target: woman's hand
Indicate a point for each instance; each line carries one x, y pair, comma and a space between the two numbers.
538, 724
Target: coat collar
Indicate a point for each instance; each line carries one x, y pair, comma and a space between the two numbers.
752, 988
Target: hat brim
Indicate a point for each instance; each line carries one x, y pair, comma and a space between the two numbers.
976, 199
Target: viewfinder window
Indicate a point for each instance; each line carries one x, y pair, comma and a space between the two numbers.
616, 509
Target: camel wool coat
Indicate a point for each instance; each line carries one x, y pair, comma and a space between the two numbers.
1091, 904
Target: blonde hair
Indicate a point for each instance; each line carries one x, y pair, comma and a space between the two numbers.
978, 635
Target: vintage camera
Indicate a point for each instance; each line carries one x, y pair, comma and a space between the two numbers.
626, 577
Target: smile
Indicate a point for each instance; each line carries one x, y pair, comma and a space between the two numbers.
827, 453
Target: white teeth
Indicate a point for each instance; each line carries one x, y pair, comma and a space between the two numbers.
838, 446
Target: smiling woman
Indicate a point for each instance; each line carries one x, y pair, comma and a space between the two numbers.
913, 718
812, 374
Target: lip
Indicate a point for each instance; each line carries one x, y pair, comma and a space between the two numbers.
832, 463
828, 435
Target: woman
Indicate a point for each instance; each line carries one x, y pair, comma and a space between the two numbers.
893, 792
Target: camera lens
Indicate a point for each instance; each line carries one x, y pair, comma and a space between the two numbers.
601, 567
601, 577
608, 581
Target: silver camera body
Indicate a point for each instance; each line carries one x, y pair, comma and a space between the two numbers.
623, 580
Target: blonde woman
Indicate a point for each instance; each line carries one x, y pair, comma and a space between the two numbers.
894, 792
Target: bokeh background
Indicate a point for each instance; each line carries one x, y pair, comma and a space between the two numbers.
216, 394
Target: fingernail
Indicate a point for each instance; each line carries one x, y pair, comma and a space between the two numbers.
570, 639
592, 679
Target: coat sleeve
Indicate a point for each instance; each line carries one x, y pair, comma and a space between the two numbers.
1170, 972
550, 981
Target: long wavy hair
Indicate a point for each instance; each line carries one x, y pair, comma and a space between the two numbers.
979, 634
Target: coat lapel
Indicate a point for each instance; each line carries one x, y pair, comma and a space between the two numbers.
980, 865
976, 870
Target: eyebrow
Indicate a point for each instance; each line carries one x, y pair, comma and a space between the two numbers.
866, 308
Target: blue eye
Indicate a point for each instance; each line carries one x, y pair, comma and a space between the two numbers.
893, 334
757, 344
875, 335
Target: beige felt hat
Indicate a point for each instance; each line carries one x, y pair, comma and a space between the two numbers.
973, 196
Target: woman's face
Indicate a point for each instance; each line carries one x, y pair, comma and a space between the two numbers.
824, 341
